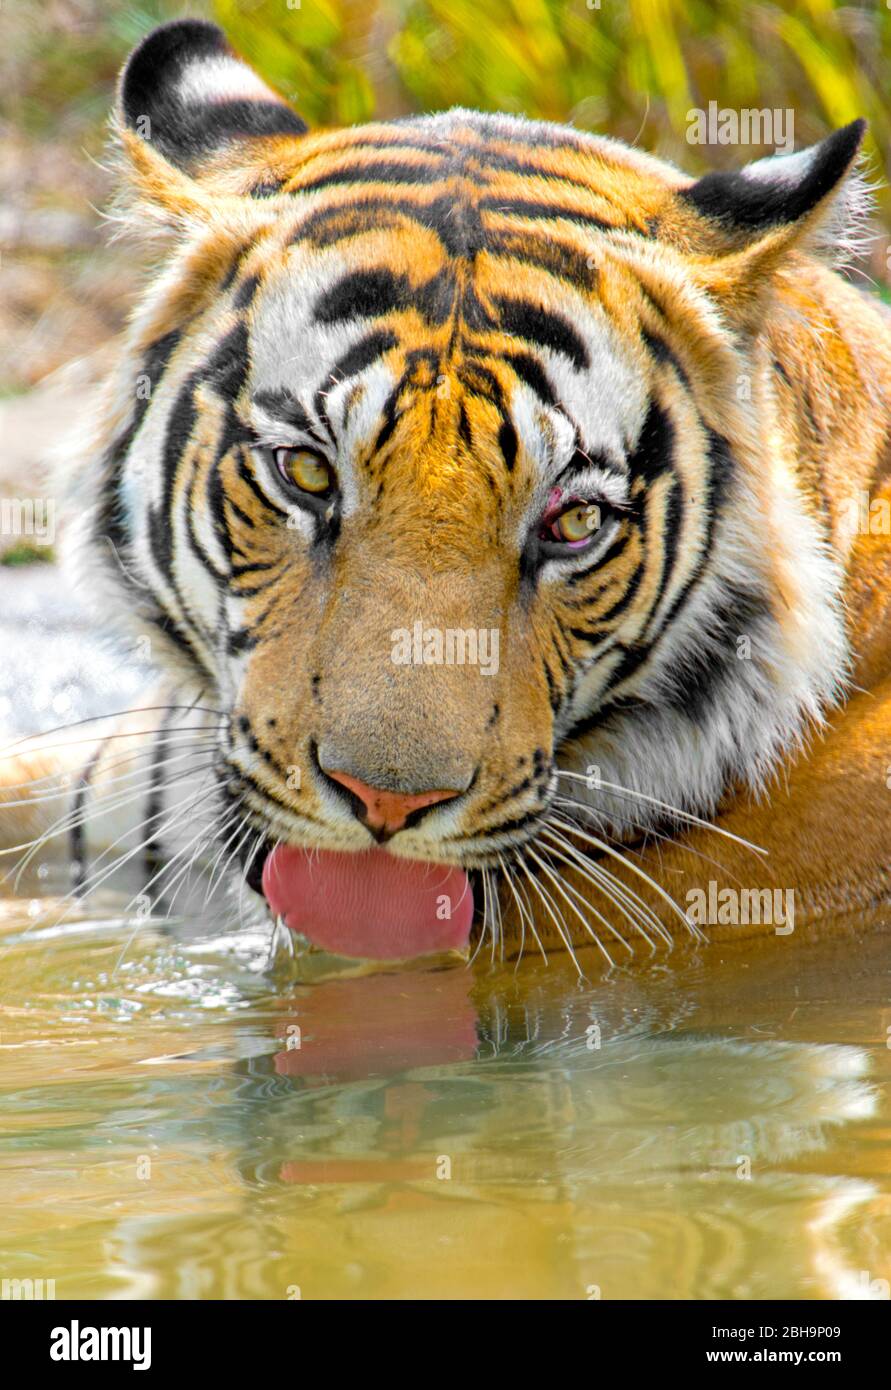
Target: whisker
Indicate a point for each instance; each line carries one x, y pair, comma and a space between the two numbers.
507, 878
165, 868
483, 928
521, 890
546, 899
261, 835
231, 819
496, 898
93, 741
660, 837
10, 749
676, 811
113, 868
75, 819
126, 946
247, 830
556, 916
612, 886
606, 848
488, 909
564, 888
632, 908
175, 815
71, 779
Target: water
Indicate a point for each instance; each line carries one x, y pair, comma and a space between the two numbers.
194, 1121
186, 1113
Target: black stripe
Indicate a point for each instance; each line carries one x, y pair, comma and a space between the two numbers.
363, 353
244, 640
246, 290
110, 520
328, 225
465, 429
599, 563
78, 838
663, 353
456, 223
556, 257
287, 408
391, 419
521, 207
228, 366
392, 140
237, 261
377, 171
720, 477
479, 380
694, 684
216, 499
509, 827
507, 442
538, 325
253, 565
244, 472
248, 780
721, 471
200, 129
155, 800
555, 697
242, 517
195, 544
533, 374
180, 424
363, 294
266, 188
435, 300
654, 452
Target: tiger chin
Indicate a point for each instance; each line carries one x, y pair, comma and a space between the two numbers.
406, 393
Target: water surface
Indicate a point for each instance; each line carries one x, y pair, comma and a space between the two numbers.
182, 1117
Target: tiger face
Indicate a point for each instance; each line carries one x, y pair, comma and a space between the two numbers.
441, 458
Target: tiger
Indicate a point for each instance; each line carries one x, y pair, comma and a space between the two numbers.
491, 494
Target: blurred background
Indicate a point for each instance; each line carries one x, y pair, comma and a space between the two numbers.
630, 68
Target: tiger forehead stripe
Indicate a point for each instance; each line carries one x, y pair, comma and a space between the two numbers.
374, 293
522, 201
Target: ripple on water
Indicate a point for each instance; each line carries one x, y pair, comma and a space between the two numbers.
182, 1122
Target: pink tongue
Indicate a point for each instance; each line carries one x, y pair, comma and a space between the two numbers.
369, 905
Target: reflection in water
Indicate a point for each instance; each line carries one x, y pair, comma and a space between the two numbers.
185, 1127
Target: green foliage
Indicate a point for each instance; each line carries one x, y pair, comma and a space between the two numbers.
316, 52
25, 553
58, 69
632, 68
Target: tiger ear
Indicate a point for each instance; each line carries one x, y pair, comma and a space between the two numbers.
740, 226
185, 96
775, 192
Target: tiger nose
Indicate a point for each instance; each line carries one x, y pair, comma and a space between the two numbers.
385, 811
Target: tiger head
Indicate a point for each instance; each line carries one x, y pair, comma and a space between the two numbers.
442, 456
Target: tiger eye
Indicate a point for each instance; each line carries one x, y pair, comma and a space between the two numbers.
305, 470
578, 523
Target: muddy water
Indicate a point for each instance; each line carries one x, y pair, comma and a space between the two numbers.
184, 1115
